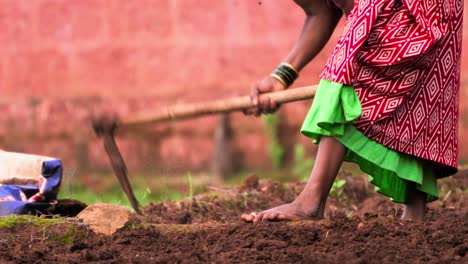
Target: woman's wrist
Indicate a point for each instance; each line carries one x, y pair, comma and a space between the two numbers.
285, 73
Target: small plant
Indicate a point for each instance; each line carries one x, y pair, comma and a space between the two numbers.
190, 183
274, 148
337, 188
446, 196
145, 197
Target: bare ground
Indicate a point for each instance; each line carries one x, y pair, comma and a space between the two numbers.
360, 227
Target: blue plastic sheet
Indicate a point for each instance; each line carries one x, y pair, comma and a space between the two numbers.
33, 198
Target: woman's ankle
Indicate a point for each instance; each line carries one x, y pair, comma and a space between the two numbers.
414, 212
415, 207
310, 207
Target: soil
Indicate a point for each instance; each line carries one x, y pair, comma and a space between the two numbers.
360, 227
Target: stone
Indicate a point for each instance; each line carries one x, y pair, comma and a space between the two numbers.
105, 218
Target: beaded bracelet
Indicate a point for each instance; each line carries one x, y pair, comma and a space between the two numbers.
285, 73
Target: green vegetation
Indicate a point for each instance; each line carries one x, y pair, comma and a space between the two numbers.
190, 184
154, 189
274, 148
13, 220
147, 189
302, 165
337, 188
446, 196
115, 195
65, 234
67, 237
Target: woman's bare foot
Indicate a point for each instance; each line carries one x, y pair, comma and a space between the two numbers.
411, 213
415, 208
286, 212
310, 204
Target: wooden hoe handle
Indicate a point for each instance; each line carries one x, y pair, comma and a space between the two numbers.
106, 129
184, 111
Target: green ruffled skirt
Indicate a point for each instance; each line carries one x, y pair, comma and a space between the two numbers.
333, 111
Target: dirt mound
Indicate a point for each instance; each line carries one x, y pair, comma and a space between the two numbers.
360, 227
356, 198
368, 239
359, 240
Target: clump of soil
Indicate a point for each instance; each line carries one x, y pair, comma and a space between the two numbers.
361, 227
68, 208
223, 205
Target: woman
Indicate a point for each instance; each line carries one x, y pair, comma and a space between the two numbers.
387, 99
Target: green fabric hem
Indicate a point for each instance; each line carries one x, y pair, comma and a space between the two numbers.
334, 109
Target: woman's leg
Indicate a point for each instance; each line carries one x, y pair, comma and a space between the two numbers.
310, 204
415, 206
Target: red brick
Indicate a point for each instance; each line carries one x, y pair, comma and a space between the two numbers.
143, 20
5, 89
128, 52
253, 147
294, 113
247, 64
107, 71
187, 152
201, 20
192, 66
274, 22
259, 20
158, 70
39, 73
16, 118
202, 126
16, 27
64, 21
61, 118
97, 154
136, 153
236, 26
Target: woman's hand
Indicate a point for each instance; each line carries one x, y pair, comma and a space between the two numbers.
264, 105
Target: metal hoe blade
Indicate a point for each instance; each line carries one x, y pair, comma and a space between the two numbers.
105, 129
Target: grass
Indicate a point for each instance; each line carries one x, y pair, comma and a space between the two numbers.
66, 234
147, 189
13, 220
115, 195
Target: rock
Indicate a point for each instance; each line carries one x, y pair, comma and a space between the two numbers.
105, 218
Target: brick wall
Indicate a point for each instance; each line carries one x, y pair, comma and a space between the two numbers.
62, 58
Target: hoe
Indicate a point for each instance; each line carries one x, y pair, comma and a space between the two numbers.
105, 127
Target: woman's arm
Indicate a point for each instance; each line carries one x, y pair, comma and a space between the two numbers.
321, 20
